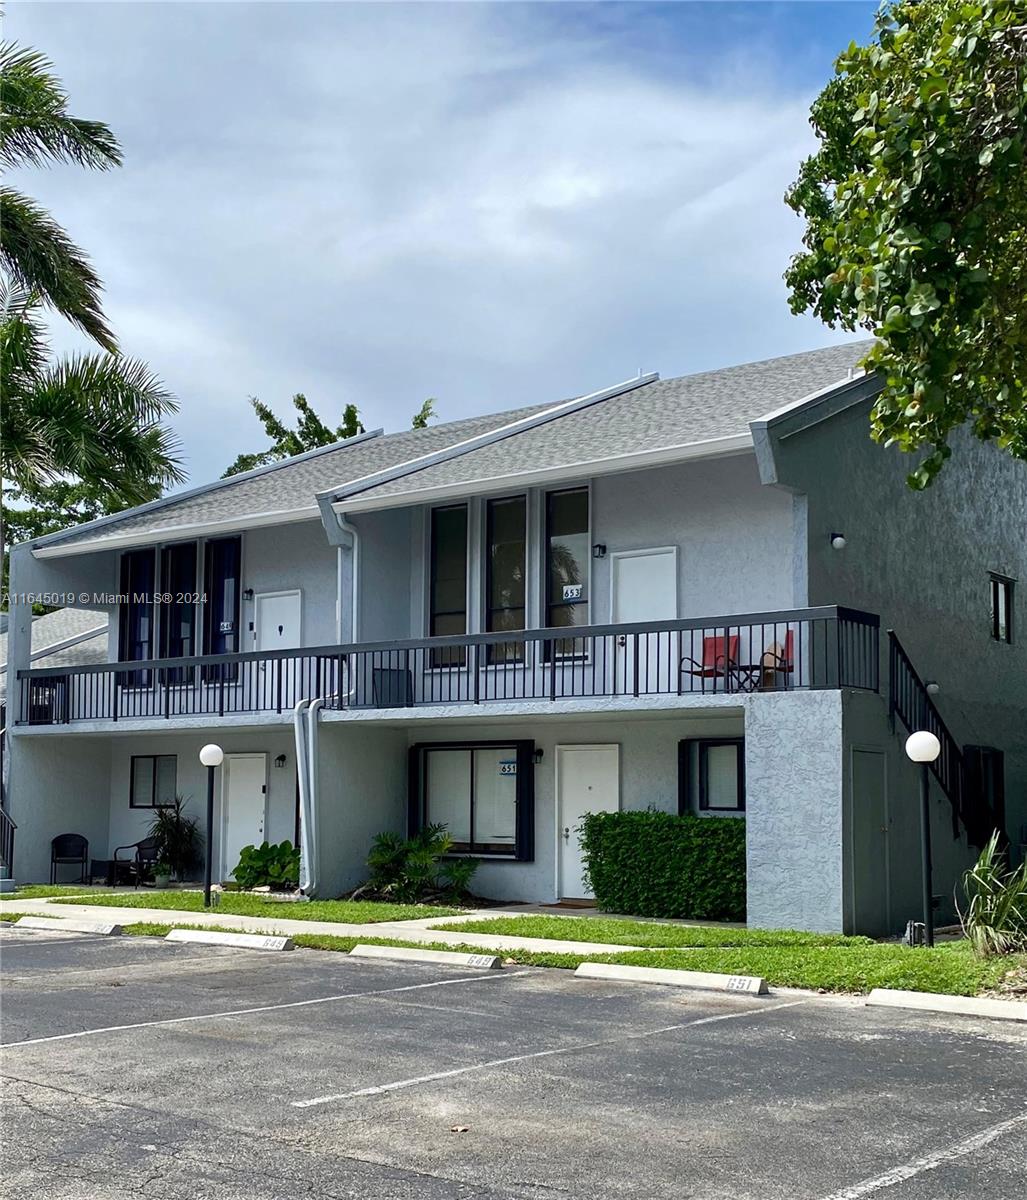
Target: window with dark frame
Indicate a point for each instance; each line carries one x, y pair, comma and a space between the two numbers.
153, 780
448, 585
222, 563
1001, 608
566, 565
136, 615
711, 775
178, 614
506, 546
483, 792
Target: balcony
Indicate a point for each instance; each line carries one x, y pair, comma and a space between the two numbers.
801, 649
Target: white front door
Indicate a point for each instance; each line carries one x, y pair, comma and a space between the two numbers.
243, 806
645, 588
587, 781
276, 620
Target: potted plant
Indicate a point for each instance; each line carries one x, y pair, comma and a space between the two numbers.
161, 873
178, 838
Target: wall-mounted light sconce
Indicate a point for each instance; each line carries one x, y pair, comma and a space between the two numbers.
933, 687
248, 594
538, 754
280, 761
837, 541
599, 550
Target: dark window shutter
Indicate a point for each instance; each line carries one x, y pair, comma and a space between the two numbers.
525, 801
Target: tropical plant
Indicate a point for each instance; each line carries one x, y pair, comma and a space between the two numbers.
275, 865
178, 838
916, 220
995, 915
36, 129
92, 422
416, 869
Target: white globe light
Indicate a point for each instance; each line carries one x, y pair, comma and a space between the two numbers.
923, 746
212, 755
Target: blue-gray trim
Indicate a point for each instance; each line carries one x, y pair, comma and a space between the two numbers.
794, 419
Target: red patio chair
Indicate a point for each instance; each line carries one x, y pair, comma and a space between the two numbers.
719, 657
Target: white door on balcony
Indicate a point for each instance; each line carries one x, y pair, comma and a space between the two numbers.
243, 806
645, 588
587, 781
276, 620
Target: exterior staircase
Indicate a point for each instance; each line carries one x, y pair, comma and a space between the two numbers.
960, 771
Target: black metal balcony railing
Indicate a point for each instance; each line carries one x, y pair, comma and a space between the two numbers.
828, 647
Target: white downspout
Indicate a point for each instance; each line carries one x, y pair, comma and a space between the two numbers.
354, 536
312, 790
302, 782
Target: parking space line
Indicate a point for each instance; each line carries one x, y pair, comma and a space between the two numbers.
928, 1162
40, 939
243, 1012
397, 1085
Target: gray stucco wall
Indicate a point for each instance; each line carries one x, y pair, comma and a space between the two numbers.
130, 824
794, 794
922, 560
62, 786
734, 536
285, 557
882, 859
362, 780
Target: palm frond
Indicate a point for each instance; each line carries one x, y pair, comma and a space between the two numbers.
35, 126
40, 257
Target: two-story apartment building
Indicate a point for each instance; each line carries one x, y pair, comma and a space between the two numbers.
710, 594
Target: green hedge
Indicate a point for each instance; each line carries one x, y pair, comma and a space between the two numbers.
656, 864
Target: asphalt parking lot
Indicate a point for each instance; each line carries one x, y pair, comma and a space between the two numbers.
135, 1068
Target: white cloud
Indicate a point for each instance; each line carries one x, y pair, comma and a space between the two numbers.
378, 203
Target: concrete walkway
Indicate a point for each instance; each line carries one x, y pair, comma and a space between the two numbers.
409, 931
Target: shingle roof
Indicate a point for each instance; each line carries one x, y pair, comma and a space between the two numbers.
656, 416
58, 628
670, 412
292, 485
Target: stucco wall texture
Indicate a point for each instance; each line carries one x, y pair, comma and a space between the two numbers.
922, 560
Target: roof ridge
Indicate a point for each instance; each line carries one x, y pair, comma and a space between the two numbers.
487, 438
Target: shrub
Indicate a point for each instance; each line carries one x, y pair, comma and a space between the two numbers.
178, 837
995, 920
416, 868
268, 865
656, 864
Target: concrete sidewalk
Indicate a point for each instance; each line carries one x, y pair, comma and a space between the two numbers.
409, 931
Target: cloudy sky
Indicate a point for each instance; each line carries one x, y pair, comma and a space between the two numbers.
493, 204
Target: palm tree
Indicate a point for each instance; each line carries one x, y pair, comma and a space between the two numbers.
35, 130
95, 418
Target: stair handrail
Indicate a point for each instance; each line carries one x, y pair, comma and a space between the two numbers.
910, 701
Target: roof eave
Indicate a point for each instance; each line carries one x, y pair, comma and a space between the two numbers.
174, 533
565, 473
203, 490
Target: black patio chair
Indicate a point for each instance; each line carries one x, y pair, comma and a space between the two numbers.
137, 867
69, 849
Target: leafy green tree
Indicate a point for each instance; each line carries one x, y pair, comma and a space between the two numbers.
310, 433
916, 220
424, 414
37, 130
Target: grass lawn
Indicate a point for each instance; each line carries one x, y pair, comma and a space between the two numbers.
784, 957
647, 933
853, 967
7, 915
354, 912
36, 891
